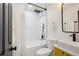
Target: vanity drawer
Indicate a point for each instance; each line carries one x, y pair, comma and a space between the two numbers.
67, 54
59, 52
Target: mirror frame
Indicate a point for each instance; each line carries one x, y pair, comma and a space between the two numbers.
62, 20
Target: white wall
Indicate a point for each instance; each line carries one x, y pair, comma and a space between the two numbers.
18, 28
55, 30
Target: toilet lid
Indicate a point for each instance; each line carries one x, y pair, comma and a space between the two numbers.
44, 51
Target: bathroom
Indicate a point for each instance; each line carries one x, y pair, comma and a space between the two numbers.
33, 24
44, 29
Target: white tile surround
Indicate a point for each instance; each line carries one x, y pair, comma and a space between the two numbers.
34, 25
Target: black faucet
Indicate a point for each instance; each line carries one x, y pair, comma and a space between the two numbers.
74, 37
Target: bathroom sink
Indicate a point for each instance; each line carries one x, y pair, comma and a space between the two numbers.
69, 46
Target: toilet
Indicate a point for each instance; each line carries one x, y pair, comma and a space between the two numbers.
47, 51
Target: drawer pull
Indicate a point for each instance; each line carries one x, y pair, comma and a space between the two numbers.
62, 52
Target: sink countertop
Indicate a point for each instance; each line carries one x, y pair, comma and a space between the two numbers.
65, 50
69, 46
76, 44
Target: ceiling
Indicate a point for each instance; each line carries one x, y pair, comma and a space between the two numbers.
68, 5
44, 5
31, 7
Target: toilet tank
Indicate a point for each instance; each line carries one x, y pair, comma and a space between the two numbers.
50, 43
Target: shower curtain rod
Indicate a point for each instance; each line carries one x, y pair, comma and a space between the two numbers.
37, 6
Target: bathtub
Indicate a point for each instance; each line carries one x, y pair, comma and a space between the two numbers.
33, 46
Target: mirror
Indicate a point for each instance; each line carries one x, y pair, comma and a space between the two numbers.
70, 17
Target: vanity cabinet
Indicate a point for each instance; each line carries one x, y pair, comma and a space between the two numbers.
59, 52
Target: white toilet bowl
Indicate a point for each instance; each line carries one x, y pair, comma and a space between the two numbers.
44, 52
47, 51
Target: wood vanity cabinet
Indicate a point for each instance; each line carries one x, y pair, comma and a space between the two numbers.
59, 52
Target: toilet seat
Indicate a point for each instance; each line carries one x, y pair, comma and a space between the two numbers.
44, 52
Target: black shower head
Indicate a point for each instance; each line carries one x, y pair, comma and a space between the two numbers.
37, 11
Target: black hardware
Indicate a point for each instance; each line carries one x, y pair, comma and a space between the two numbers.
3, 29
74, 37
65, 23
62, 20
37, 11
71, 35
75, 21
11, 49
62, 52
